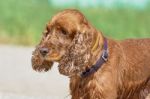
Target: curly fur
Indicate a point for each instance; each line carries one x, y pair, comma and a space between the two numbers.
77, 55
72, 42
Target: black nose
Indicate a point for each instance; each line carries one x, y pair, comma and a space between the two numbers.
43, 51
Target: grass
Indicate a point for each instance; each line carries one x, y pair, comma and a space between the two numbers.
22, 22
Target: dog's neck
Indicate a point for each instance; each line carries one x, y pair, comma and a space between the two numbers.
102, 59
98, 41
79, 84
97, 46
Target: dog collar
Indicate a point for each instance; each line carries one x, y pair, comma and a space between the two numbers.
103, 58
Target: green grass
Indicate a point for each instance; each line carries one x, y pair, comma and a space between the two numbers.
22, 22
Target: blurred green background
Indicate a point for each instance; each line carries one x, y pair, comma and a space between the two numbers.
22, 21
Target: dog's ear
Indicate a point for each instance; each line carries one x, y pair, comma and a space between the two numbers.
81, 47
80, 43
38, 64
78, 53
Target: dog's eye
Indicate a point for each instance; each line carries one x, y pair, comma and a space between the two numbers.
64, 32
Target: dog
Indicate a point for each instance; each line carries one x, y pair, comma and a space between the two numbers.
98, 67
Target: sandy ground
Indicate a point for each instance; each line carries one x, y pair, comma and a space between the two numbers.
19, 81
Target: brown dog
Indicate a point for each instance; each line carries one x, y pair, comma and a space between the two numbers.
98, 67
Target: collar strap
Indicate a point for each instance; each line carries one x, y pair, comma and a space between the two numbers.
103, 58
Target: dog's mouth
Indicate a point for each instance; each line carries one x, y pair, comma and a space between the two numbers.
39, 64
53, 57
44, 62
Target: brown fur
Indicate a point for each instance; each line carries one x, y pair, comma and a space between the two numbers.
71, 41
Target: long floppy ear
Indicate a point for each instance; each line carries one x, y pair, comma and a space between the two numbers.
81, 43
78, 54
38, 64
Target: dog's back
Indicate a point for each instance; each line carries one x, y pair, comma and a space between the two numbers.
136, 53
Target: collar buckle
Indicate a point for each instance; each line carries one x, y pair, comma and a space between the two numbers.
105, 55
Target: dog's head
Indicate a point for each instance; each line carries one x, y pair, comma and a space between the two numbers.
67, 39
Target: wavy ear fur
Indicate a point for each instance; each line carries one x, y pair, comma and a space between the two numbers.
78, 54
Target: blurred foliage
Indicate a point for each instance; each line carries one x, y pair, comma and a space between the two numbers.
22, 22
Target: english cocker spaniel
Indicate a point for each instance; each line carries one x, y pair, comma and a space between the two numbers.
98, 67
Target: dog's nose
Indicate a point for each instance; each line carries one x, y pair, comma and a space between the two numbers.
43, 51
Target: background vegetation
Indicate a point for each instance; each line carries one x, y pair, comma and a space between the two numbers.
22, 21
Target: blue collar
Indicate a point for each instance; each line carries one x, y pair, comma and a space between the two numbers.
103, 58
